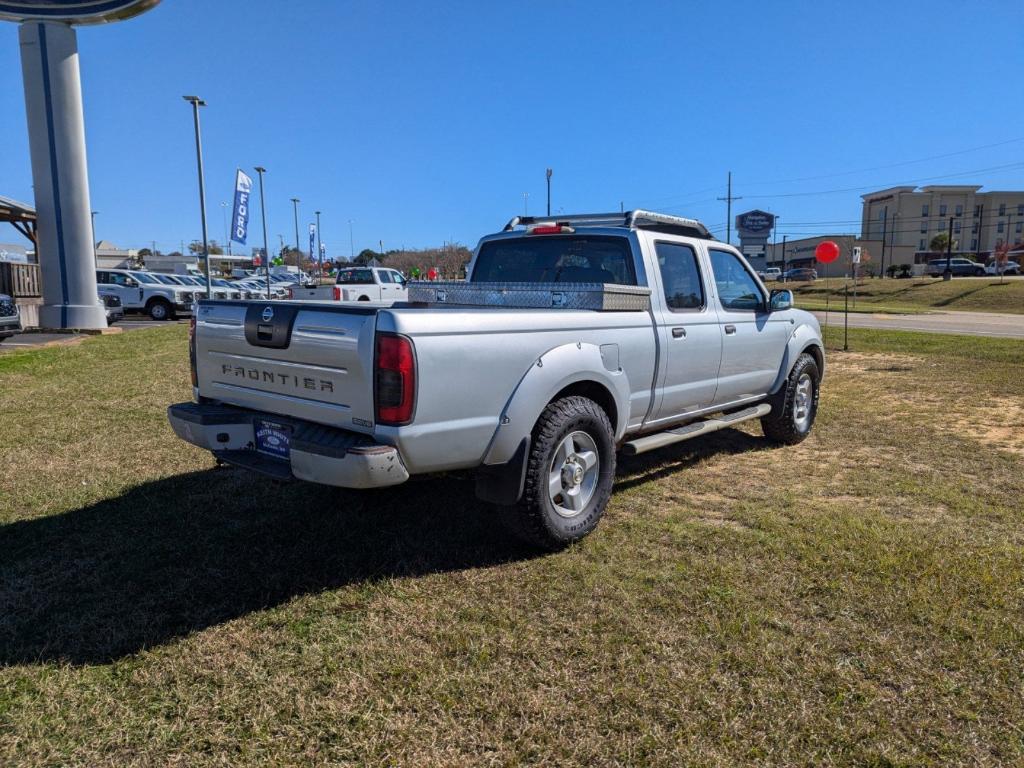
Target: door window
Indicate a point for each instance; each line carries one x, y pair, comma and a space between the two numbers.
680, 276
384, 275
737, 289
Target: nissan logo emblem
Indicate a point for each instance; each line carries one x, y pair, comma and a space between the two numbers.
268, 314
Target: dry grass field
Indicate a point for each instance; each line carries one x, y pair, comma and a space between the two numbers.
976, 294
855, 600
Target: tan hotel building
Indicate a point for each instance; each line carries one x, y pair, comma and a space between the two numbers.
908, 218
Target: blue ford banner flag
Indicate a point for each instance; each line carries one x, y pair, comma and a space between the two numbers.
312, 241
240, 216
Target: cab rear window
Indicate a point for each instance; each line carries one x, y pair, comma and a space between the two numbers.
355, 277
556, 259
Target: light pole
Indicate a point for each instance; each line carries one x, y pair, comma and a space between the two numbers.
526, 203
263, 213
224, 220
196, 103
295, 206
548, 174
319, 253
95, 257
351, 243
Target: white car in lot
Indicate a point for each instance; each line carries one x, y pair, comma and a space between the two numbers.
1009, 268
141, 291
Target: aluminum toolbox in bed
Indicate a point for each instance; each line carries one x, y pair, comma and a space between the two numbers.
603, 297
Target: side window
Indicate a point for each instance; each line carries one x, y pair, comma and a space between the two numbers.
680, 276
397, 277
736, 287
101, 278
384, 275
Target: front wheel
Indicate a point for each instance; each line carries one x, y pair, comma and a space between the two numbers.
569, 474
795, 405
160, 310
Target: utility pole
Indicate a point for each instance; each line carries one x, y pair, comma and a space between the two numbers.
728, 209
885, 225
295, 206
526, 203
948, 274
784, 260
224, 221
548, 174
196, 103
319, 250
351, 243
263, 213
775, 241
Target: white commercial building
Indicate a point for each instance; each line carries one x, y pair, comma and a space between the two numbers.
911, 217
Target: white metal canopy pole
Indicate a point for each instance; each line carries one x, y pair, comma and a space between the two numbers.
64, 248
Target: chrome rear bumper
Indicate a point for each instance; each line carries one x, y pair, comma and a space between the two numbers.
318, 454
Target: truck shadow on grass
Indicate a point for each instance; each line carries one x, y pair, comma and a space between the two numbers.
177, 555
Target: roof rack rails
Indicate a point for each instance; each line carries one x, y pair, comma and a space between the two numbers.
638, 219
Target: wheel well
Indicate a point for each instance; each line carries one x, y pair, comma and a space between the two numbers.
593, 391
155, 299
815, 351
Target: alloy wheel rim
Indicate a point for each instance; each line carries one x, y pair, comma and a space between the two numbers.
573, 474
803, 402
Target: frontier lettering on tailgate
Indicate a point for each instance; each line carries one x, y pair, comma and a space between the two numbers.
284, 379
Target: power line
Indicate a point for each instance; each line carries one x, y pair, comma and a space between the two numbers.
891, 165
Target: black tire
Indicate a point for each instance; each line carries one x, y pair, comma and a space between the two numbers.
787, 424
536, 517
160, 309
364, 298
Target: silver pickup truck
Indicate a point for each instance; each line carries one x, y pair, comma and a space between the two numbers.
573, 338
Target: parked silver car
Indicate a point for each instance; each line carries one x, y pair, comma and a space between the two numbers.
10, 317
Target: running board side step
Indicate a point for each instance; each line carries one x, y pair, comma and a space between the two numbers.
694, 429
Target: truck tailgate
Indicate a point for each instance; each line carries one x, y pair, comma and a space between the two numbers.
309, 361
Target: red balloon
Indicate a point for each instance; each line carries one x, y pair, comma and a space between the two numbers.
826, 252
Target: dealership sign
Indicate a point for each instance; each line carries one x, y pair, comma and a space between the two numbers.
73, 11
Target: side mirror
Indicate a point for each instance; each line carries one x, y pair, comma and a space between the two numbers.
780, 298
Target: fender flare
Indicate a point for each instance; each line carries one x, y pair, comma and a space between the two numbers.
552, 372
803, 338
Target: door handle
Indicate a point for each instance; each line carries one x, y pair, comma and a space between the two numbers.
678, 333
730, 329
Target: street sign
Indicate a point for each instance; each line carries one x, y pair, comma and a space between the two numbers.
856, 255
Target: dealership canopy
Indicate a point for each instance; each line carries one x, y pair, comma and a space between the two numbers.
21, 216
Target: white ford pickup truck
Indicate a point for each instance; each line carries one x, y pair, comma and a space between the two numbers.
573, 338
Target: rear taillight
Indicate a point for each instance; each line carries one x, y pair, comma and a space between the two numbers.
394, 379
291, 294
337, 293
192, 349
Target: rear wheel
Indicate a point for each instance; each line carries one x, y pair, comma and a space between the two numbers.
569, 474
795, 406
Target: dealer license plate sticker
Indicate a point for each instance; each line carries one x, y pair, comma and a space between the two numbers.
273, 439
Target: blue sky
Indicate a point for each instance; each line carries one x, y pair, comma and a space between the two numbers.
427, 122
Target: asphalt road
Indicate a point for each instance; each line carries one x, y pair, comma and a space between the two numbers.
964, 323
25, 340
